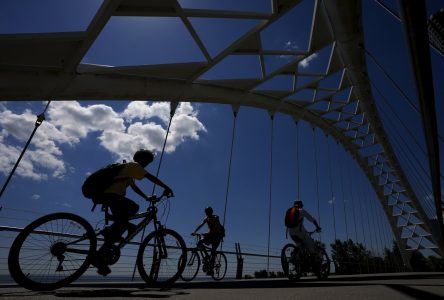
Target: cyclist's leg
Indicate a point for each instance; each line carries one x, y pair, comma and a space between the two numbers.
215, 242
307, 240
121, 208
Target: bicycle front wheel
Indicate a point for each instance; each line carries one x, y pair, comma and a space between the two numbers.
220, 266
322, 270
161, 257
192, 266
290, 264
51, 252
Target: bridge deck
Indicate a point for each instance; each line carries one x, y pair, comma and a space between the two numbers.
386, 286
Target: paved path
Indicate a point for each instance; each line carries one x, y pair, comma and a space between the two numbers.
427, 286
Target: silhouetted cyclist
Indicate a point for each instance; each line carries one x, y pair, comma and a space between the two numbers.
121, 207
298, 233
214, 235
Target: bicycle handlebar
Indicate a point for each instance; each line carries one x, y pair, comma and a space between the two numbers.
314, 231
155, 198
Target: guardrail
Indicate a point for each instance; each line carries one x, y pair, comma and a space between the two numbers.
240, 264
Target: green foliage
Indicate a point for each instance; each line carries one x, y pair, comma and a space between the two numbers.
437, 264
354, 258
350, 257
261, 274
265, 274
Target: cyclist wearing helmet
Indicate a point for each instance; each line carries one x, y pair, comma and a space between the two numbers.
214, 235
121, 207
298, 233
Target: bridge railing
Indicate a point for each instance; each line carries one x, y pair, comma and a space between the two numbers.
251, 262
242, 263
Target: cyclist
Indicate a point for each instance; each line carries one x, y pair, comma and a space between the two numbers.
298, 233
121, 207
213, 237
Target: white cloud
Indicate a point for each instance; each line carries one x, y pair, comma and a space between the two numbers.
291, 45
68, 122
65, 204
306, 61
35, 197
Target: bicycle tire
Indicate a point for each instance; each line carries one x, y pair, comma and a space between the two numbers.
220, 266
32, 259
324, 269
192, 266
164, 270
290, 265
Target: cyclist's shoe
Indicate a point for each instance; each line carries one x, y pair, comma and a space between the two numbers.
102, 267
103, 270
210, 273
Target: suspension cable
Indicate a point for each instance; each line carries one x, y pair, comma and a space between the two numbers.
38, 122
297, 161
229, 164
270, 189
343, 196
375, 213
229, 169
333, 200
393, 113
408, 100
370, 221
352, 202
353, 186
352, 193
317, 180
173, 106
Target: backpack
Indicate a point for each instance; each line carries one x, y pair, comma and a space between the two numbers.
292, 217
96, 183
221, 227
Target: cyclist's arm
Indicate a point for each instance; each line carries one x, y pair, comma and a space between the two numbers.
310, 218
200, 226
157, 181
139, 191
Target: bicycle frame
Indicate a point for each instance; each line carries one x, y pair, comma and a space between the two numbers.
148, 216
201, 250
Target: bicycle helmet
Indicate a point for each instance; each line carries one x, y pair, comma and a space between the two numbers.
299, 203
209, 210
144, 157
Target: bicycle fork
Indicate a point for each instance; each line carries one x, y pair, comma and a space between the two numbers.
160, 252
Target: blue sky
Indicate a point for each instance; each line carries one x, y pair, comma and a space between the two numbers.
79, 137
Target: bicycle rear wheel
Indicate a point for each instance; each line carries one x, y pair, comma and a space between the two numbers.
220, 266
290, 262
161, 257
192, 266
51, 252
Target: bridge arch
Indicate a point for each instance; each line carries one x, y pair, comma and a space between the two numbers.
346, 112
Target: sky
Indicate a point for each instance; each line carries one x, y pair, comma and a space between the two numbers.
294, 161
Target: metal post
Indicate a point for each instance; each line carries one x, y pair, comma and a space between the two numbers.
240, 261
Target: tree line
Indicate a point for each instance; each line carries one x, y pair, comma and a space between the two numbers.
351, 257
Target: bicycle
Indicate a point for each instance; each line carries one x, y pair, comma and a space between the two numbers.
297, 260
58, 248
203, 252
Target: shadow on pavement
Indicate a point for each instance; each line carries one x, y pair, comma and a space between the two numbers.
113, 293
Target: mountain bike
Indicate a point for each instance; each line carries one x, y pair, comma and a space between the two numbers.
58, 248
193, 262
296, 260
